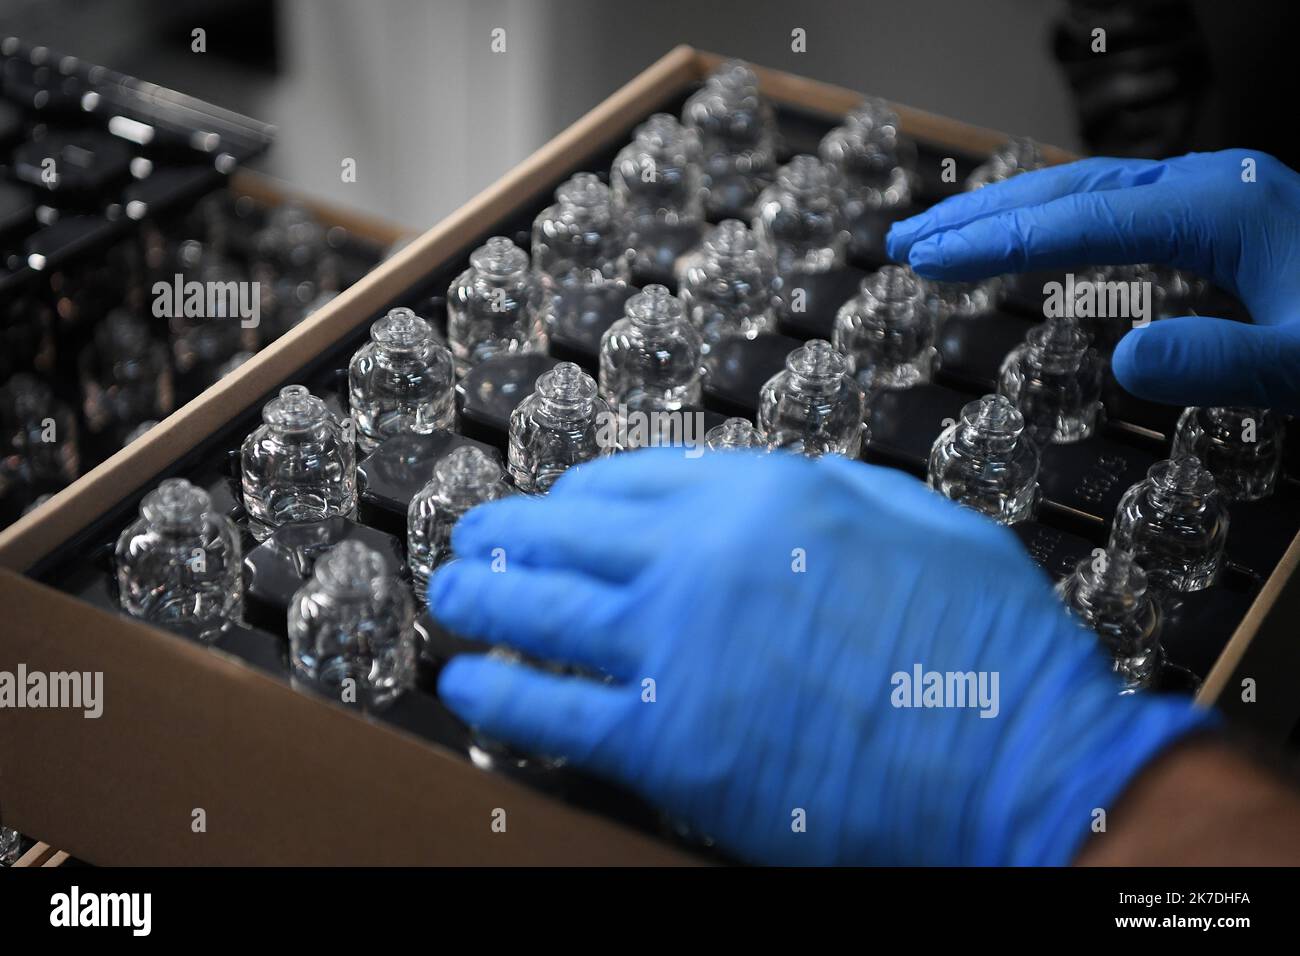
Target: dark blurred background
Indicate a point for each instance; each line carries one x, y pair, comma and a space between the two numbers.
411, 90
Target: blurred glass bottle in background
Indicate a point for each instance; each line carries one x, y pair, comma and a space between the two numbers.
294, 267
657, 195
126, 378
202, 346
875, 171
582, 259
577, 241
39, 454
798, 219
737, 133
727, 285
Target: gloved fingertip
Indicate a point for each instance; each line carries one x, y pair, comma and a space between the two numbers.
442, 586
1144, 368
460, 685
1127, 364
926, 259
900, 237
479, 528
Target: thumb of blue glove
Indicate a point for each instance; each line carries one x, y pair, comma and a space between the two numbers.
1215, 361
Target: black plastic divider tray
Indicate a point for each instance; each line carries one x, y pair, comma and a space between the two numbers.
413, 795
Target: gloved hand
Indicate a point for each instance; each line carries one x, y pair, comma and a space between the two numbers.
771, 599
1195, 212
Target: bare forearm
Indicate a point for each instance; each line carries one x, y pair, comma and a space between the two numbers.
1201, 804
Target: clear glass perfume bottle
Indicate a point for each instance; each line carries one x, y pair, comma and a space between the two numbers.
39, 450
126, 376
656, 191
887, 331
202, 344
294, 265
733, 433
650, 358
813, 406
292, 241
494, 306
556, 427
1055, 379
737, 133
1241, 447
179, 562
577, 242
465, 478
987, 462
1108, 592
799, 221
400, 382
727, 285
1175, 523
299, 465
872, 159
352, 628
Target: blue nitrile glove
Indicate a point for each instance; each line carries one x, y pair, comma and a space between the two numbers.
771, 599
1195, 212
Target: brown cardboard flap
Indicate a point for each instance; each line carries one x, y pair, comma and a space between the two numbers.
283, 777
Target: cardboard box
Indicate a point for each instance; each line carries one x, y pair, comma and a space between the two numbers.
288, 778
